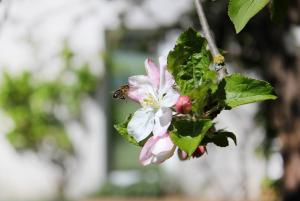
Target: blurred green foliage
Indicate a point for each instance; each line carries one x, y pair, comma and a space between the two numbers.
40, 108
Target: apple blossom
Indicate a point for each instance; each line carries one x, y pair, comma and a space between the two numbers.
157, 149
156, 95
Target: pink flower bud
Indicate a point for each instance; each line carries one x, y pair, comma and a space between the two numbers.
183, 105
199, 151
182, 155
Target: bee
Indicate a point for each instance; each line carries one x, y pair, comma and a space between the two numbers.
121, 93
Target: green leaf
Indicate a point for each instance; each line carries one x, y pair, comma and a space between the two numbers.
188, 43
221, 138
241, 11
188, 134
189, 64
122, 130
240, 90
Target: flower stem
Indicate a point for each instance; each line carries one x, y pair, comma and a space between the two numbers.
218, 59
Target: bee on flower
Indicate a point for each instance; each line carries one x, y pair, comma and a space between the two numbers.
156, 95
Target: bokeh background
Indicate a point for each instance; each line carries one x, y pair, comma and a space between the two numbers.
60, 62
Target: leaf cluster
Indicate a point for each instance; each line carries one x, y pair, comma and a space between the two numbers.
36, 106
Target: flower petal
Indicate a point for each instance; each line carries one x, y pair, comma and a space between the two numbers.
141, 123
138, 80
139, 87
170, 98
162, 121
157, 149
152, 71
162, 61
146, 155
169, 80
164, 144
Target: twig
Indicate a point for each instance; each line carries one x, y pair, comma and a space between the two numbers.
218, 59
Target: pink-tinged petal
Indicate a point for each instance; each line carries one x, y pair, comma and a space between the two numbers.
170, 98
169, 80
162, 73
163, 145
157, 149
138, 87
146, 155
138, 80
162, 61
162, 121
138, 94
153, 72
135, 94
168, 83
141, 124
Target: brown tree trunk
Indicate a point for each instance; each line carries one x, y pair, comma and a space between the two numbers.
269, 46
284, 116
283, 68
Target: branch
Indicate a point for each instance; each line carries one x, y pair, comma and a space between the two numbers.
218, 59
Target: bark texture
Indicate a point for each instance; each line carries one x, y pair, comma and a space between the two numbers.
273, 49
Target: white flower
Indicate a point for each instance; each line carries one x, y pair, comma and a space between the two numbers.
156, 95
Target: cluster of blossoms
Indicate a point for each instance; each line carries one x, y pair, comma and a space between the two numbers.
168, 118
160, 101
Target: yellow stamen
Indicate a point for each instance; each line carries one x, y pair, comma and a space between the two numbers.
219, 59
150, 101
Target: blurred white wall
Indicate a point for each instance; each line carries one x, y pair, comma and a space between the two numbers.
31, 37
32, 32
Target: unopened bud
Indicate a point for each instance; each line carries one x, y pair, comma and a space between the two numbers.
199, 151
183, 105
182, 155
